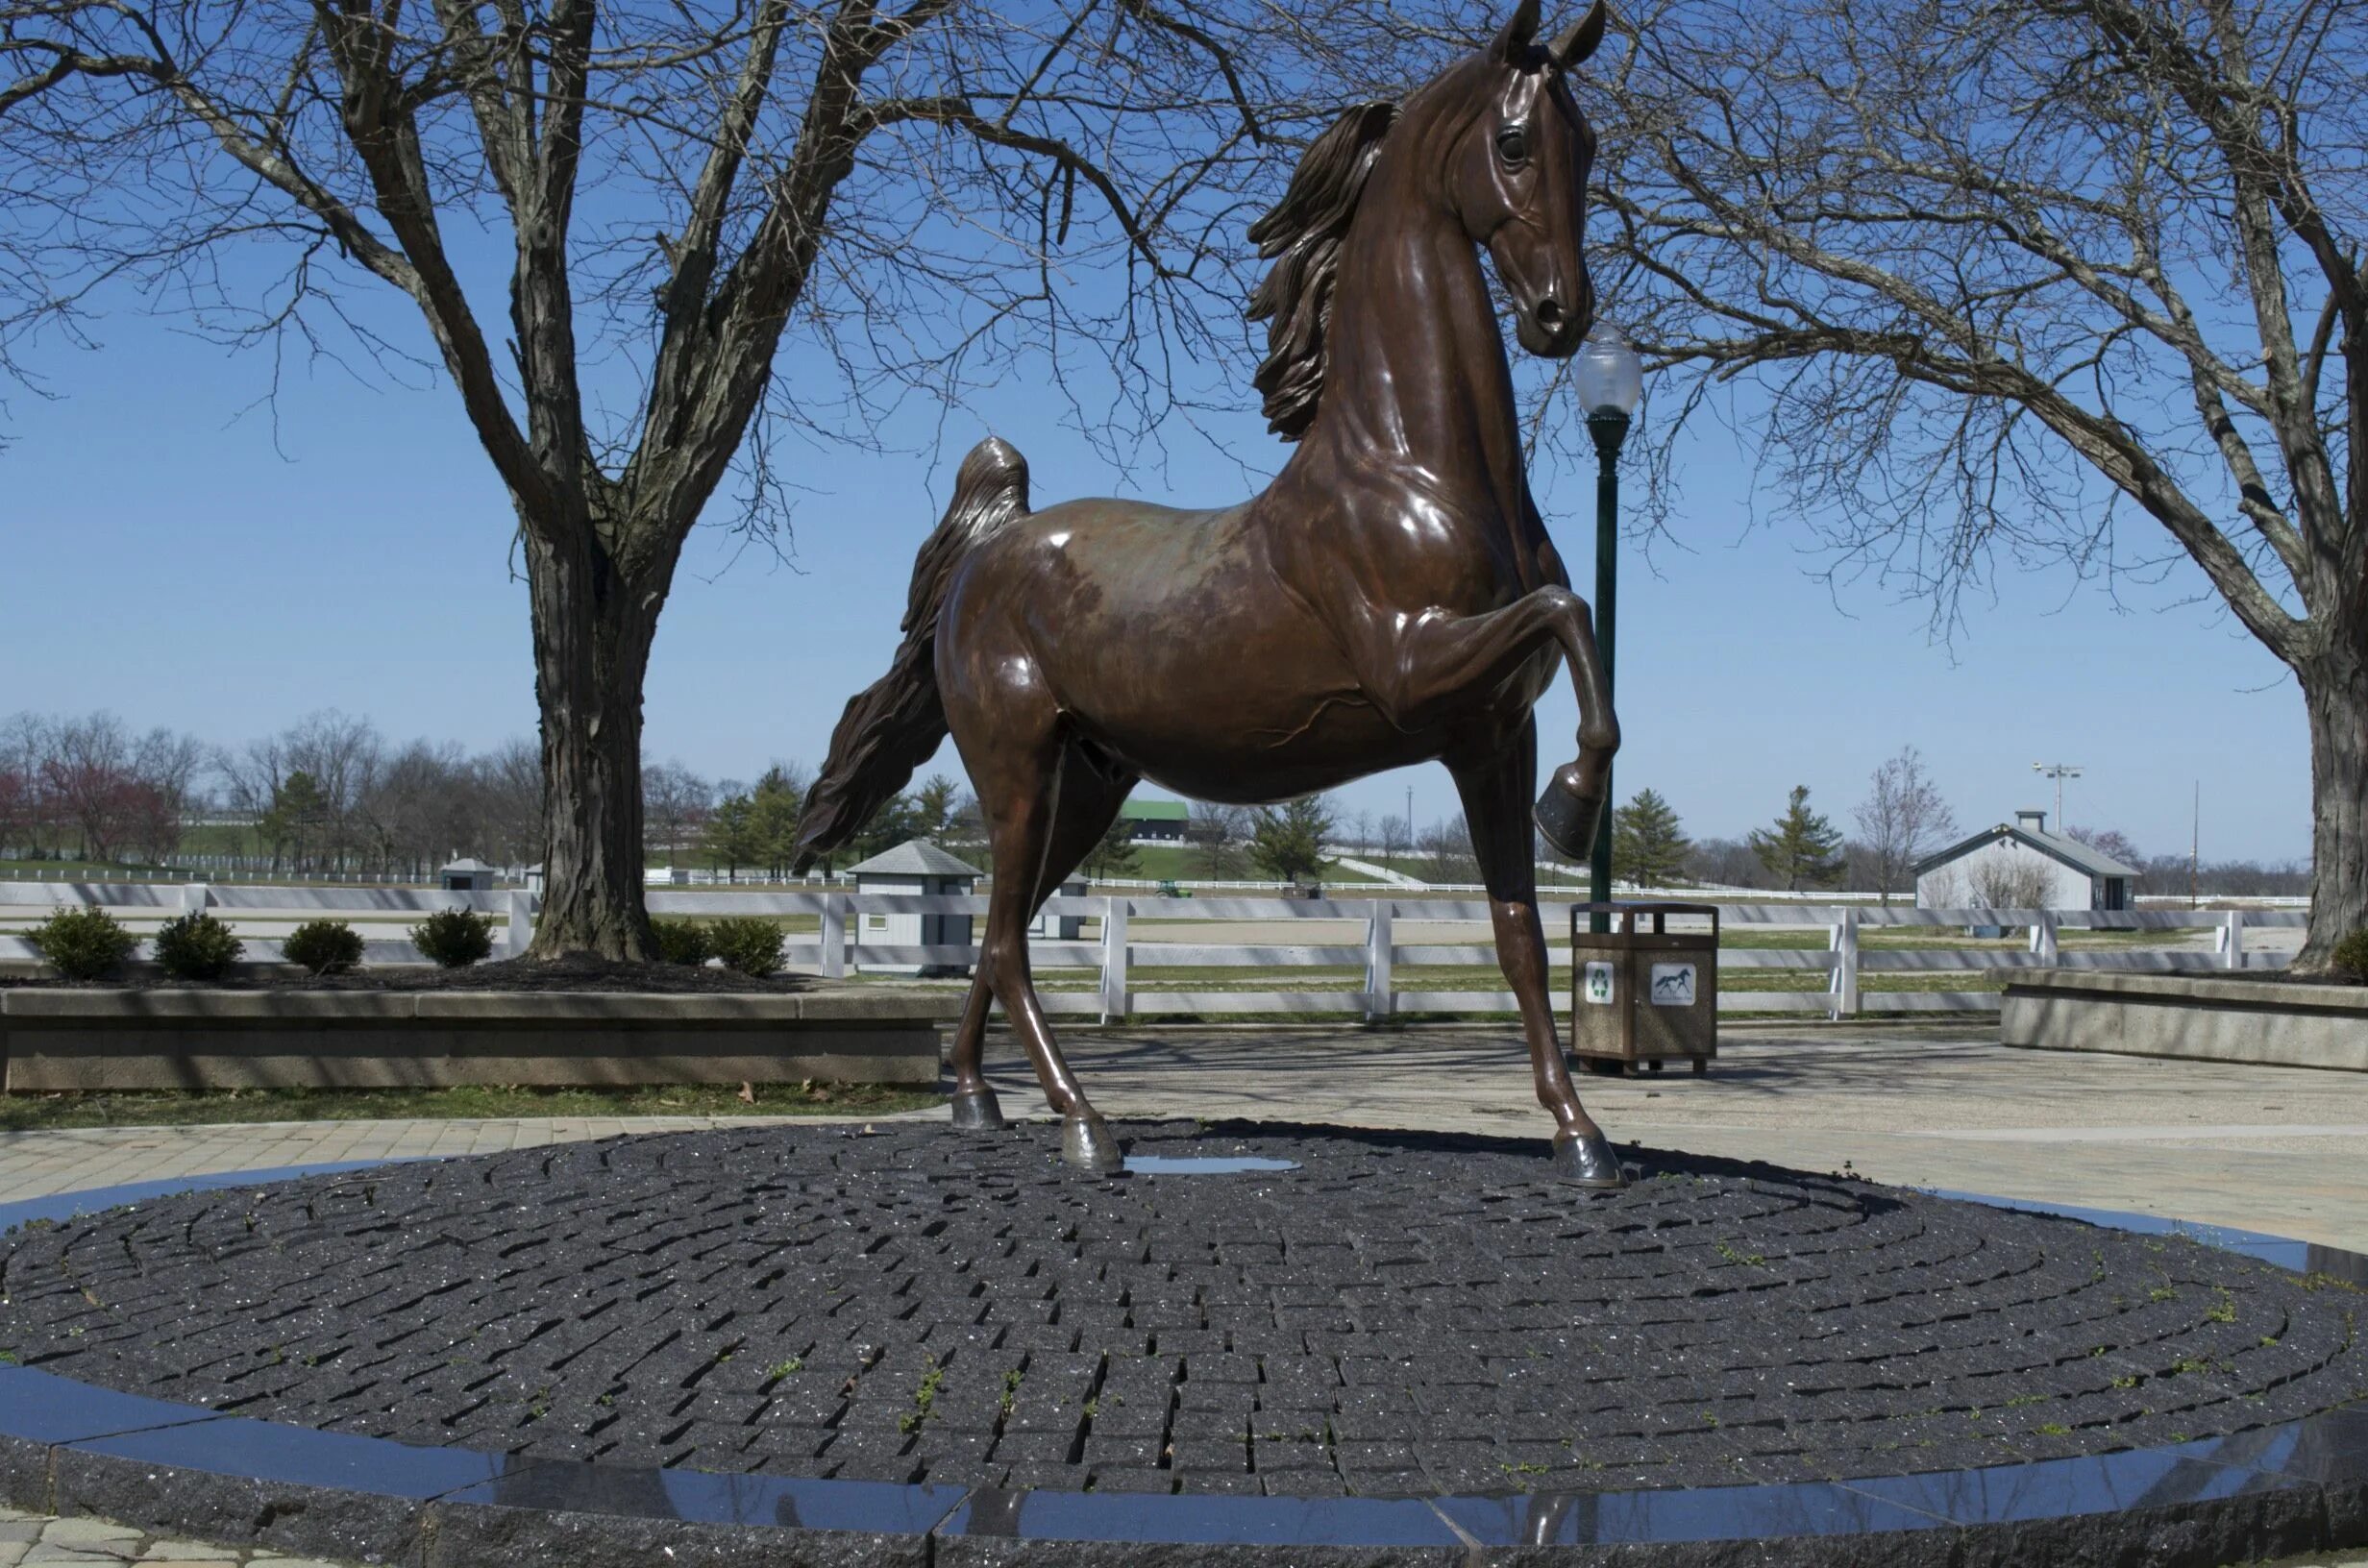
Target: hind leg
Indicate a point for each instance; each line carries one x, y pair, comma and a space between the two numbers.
1087, 802
1496, 790
1022, 793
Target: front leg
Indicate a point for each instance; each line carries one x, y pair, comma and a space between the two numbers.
1433, 667
1493, 786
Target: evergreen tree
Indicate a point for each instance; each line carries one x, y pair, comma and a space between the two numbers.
934, 804
729, 840
298, 809
1803, 850
773, 819
1286, 840
892, 825
1648, 847
1114, 855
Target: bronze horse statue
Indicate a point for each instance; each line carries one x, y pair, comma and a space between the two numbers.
1391, 597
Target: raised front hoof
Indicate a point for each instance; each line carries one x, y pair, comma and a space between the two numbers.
1087, 1144
1567, 818
1587, 1161
977, 1112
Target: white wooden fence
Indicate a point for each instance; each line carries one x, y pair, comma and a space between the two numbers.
1125, 947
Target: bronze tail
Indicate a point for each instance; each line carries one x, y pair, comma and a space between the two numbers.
893, 725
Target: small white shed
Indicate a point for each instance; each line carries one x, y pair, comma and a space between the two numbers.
1062, 927
914, 867
466, 875
2020, 865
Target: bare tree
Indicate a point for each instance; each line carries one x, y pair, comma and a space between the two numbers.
418, 807
1902, 820
2007, 882
2006, 274
1725, 862
674, 806
341, 755
2110, 840
923, 190
1219, 835
1393, 836
1446, 851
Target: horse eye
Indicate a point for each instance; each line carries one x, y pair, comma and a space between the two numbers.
1512, 145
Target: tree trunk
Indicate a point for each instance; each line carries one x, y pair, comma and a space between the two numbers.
592, 635
2335, 693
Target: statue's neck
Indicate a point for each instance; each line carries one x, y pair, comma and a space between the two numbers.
1416, 375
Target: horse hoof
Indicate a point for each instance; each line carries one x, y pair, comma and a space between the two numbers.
1087, 1144
977, 1112
1567, 817
1586, 1160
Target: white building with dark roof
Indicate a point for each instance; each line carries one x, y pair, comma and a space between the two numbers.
2020, 865
914, 866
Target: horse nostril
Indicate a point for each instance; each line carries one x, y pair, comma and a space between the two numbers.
1549, 313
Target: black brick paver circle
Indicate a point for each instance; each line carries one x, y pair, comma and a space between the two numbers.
1404, 1315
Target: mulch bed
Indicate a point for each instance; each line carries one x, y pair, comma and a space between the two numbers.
1399, 1314
575, 972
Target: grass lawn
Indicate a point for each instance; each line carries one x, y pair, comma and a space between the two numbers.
26, 1112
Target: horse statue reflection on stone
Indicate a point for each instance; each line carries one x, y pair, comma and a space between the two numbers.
1391, 597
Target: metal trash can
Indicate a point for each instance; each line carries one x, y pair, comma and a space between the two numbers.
1640, 996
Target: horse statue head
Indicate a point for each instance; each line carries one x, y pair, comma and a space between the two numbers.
1496, 142
1518, 176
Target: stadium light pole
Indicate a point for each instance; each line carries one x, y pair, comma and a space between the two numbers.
1609, 379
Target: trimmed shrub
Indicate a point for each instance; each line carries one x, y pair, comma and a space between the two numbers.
749, 943
197, 947
454, 938
323, 946
2352, 955
82, 943
684, 942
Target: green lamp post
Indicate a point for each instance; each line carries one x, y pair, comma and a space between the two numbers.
1609, 379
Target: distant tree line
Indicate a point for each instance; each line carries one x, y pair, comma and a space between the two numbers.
332, 793
329, 793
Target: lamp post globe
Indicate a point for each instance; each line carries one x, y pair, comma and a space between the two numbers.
1609, 380
1609, 375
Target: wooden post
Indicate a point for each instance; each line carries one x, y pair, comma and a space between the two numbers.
1380, 1002
2043, 937
2233, 940
1114, 959
834, 935
194, 898
1846, 944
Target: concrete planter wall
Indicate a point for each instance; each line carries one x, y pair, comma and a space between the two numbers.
142, 1039
2202, 1018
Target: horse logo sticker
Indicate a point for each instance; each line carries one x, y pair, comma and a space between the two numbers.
1672, 984
1598, 988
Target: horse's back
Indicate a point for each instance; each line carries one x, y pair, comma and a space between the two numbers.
1167, 636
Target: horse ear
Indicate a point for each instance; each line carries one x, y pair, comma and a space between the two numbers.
1579, 39
1512, 44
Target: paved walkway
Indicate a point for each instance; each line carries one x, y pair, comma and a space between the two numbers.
28, 1538
2270, 1149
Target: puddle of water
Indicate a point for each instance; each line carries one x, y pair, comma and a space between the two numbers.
1203, 1164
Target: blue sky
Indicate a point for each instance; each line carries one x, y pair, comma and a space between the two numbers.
173, 552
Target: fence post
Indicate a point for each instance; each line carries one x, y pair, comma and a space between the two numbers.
194, 898
1378, 999
834, 935
2043, 937
2233, 940
1846, 941
521, 921
1113, 959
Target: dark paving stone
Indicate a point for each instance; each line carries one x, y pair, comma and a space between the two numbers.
1399, 1314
